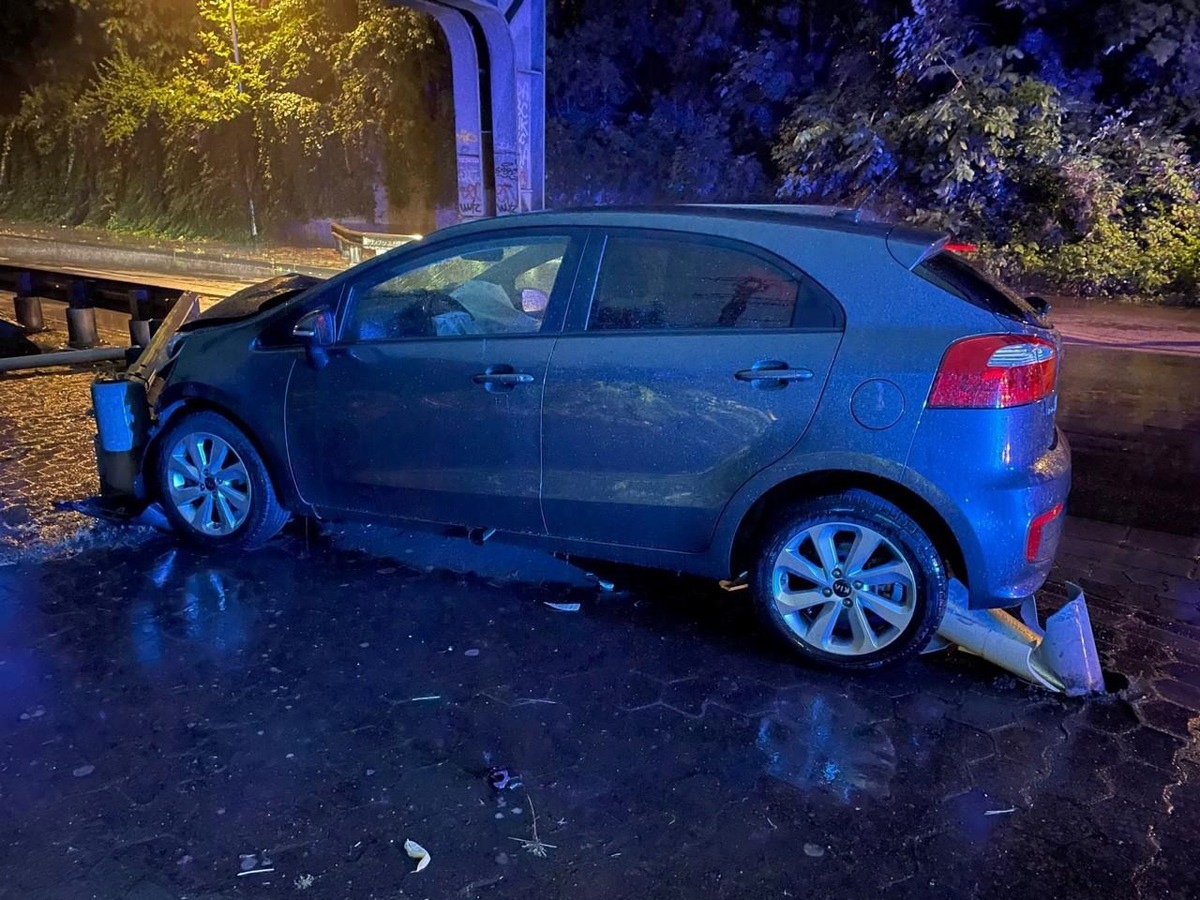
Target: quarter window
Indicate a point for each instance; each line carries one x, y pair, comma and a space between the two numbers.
671, 283
493, 287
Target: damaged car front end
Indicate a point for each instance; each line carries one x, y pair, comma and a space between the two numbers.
127, 407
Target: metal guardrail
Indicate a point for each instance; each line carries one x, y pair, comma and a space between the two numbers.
355, 246
146, 304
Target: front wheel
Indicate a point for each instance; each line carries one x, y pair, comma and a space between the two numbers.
851, 581
213, 485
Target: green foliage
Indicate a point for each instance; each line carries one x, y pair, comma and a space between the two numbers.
170, 130
936, 124
1130, 209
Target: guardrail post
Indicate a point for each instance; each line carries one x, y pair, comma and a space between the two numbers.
28, 306
81, 317
139, 317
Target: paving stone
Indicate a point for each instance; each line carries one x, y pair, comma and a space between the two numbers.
1167, 716
1153, 747
1091, 530
1056, 819
689, 695
1186, 672
1161, 542
745, 695
1128, 825
1134, 558
1110, 715
1186, 695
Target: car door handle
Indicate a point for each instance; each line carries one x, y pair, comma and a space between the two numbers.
501, 378
772, 373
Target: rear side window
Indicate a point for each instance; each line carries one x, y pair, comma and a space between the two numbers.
955, 275
666, 282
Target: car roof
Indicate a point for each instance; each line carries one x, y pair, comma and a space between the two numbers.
831, 218
907, 243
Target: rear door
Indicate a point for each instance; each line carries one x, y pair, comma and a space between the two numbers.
689, 364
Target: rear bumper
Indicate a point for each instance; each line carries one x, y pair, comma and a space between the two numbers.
991, 513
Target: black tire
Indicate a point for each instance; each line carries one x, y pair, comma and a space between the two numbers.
903, 540
265, 517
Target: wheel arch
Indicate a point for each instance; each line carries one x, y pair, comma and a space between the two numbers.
754, 523
185, 404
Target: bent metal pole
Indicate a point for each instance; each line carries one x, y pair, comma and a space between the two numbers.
62, 358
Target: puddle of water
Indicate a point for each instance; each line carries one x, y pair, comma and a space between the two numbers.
826, 742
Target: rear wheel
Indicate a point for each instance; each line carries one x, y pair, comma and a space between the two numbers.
851, 581
213, 485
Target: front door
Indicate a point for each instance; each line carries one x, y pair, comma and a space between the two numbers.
429, 404
697, 364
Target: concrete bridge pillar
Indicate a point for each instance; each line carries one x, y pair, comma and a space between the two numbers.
497, 47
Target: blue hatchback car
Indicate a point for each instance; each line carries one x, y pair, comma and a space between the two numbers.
843, 413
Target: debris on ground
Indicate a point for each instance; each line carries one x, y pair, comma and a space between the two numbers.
502, 779
254, 863
84, 771
1000, 812
417, 852
735, 584
814, 850
534, 844
563, 607
598, 581
304, 882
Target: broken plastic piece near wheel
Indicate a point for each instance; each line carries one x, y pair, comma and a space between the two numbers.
735, 584
1061, 657
417, 852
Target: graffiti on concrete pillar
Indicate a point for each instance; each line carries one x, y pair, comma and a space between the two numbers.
507, 184
468, 142
524, 169
470, 187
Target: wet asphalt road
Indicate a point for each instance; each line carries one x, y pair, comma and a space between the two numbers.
1133, 420
169, 719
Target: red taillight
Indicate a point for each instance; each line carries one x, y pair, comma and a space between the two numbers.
995, 371
1033, 544
959, 247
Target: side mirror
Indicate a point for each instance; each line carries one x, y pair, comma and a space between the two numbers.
1040, 304
315, 328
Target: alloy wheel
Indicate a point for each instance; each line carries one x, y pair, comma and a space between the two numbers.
843, 588
208, 484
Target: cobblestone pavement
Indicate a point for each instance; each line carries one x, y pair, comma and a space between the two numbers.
169, 720
46, 431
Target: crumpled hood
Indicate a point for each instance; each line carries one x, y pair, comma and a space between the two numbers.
251, 300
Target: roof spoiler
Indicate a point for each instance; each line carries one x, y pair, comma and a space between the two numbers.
912, 246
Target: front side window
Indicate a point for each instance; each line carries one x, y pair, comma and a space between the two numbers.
653, 282
489, 288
